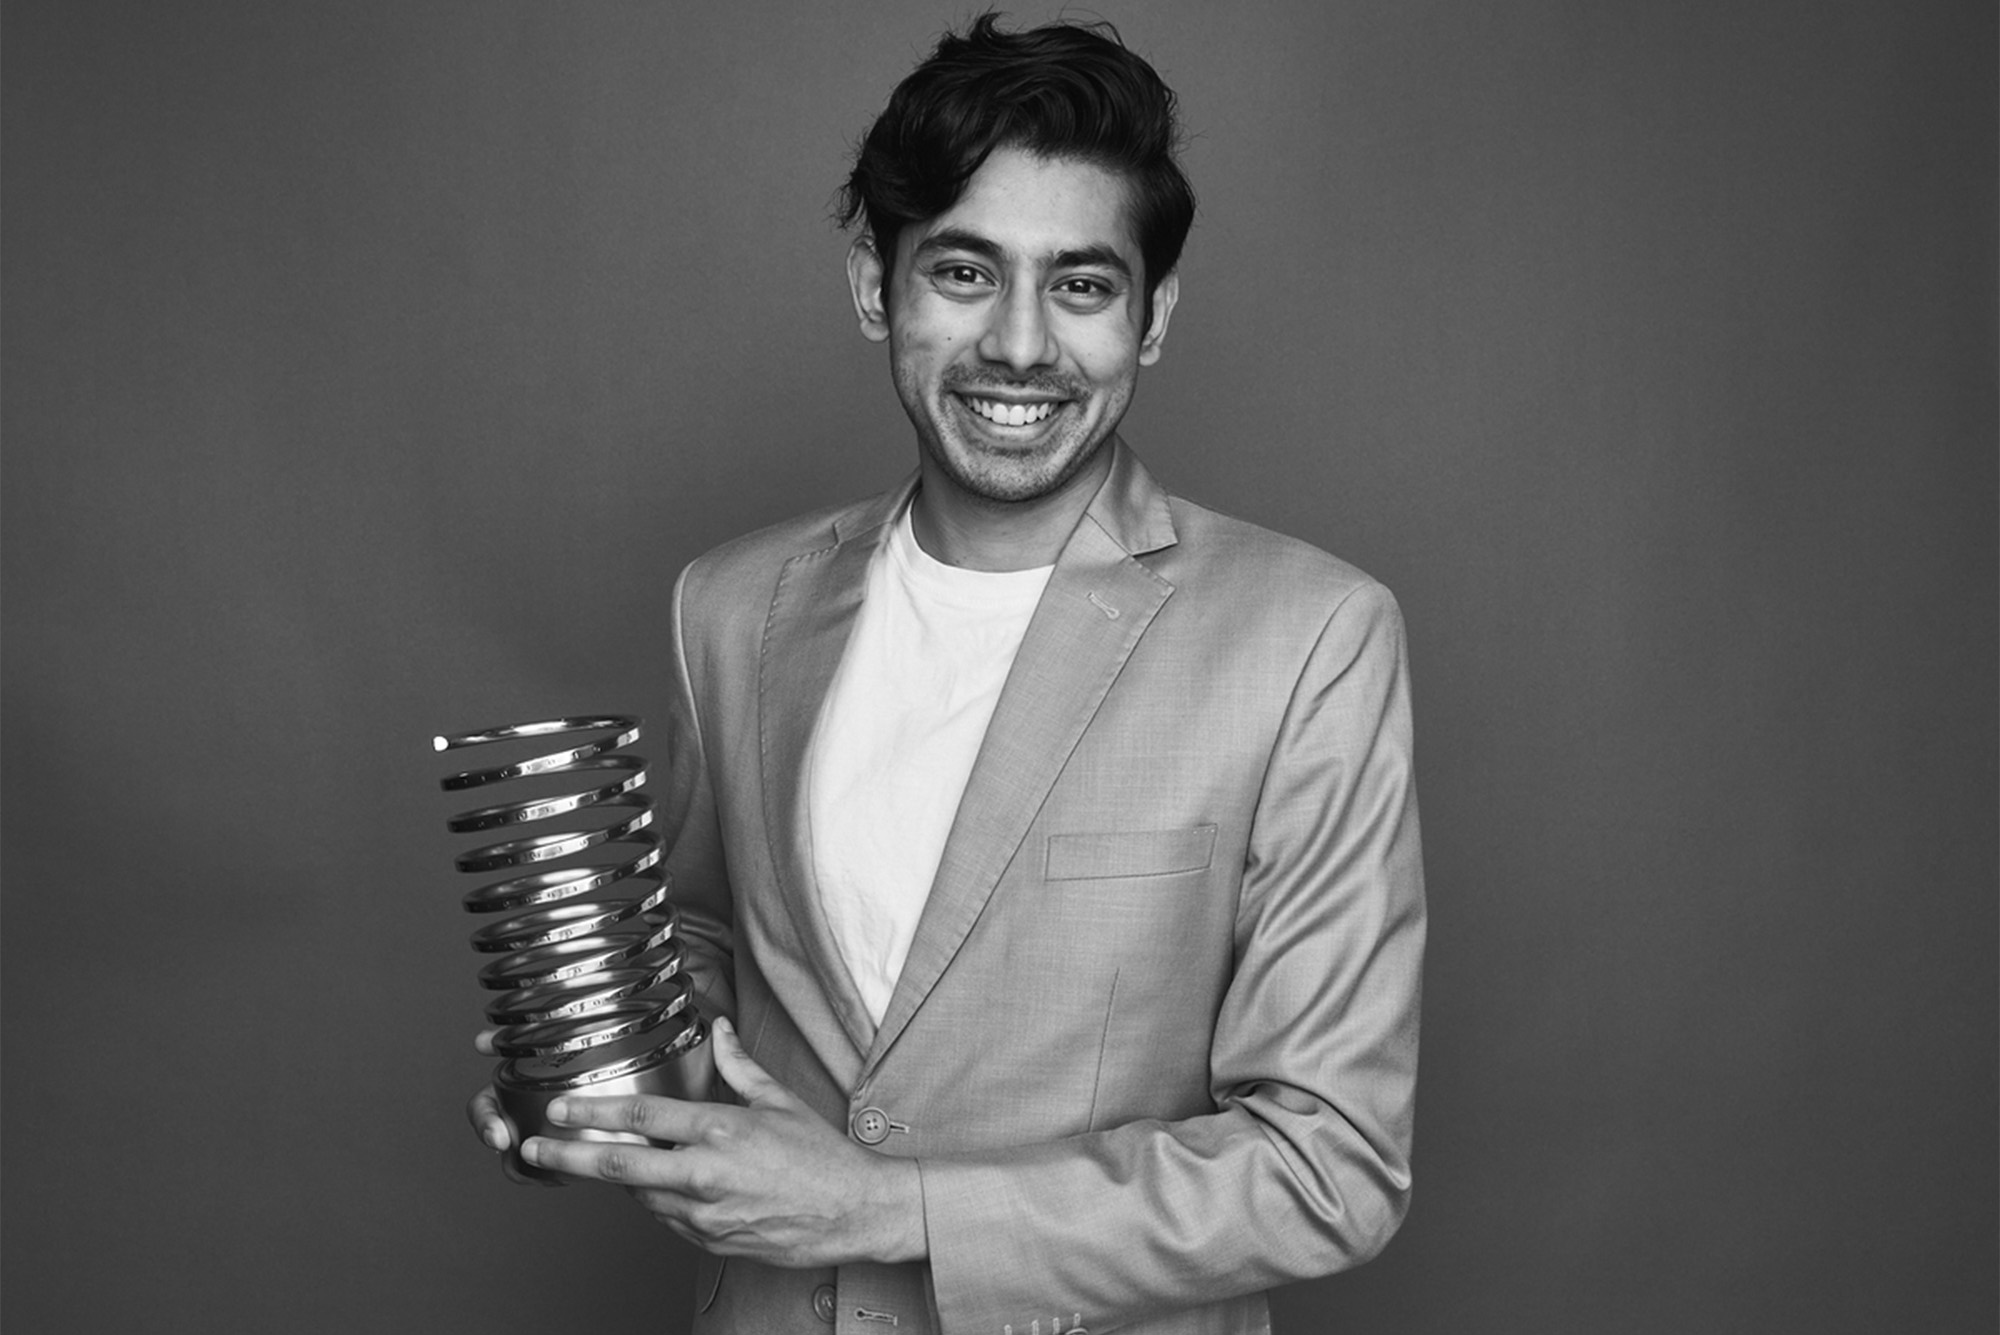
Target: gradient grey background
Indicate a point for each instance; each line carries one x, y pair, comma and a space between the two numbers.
371, 368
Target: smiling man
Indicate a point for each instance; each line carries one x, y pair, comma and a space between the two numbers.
1045, 845
1020, 319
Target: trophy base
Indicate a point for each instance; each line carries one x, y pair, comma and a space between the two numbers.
683, 1067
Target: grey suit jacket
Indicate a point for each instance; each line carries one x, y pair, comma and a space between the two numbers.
1154, 1048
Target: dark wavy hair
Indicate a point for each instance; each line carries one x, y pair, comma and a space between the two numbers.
1065, 90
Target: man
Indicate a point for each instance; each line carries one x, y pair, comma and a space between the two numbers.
1047, 843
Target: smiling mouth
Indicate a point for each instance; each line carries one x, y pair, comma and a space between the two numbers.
1011, 414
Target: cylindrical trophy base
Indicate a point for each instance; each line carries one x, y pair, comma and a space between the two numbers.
681, 1068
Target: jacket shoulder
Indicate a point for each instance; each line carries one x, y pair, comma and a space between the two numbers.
1219, 554
722, 575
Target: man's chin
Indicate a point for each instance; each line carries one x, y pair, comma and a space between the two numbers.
1011, 475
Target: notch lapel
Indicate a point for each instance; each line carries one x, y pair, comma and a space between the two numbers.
1098, 603
812, 614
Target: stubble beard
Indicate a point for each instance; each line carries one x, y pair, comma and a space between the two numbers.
1000, 476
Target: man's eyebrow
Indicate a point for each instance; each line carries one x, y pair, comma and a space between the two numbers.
1084, 257
1092, 257
957, 238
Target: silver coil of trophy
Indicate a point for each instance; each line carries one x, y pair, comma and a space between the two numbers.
592, 998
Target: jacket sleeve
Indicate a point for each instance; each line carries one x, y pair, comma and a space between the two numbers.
1303, 1168
688, 825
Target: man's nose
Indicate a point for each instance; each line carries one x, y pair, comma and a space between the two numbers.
1018, 336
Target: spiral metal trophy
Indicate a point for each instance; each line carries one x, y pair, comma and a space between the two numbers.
592, 997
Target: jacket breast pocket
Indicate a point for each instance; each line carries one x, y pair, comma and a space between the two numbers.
1122, 853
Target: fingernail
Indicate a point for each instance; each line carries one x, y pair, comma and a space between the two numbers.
531, 1149
559, 1110
496, 1137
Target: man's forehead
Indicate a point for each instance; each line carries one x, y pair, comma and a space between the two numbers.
1022, 206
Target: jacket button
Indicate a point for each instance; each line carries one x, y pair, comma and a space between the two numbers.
823, 1303
871, 1126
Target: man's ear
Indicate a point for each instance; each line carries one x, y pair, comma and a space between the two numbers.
865, 276
1164, 297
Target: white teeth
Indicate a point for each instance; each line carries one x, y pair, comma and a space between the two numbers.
1011, 414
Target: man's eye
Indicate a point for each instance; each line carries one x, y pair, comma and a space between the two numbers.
1085, 293
959, 275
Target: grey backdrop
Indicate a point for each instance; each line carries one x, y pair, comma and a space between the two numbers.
370, 369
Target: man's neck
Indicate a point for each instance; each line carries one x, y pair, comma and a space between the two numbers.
975, 533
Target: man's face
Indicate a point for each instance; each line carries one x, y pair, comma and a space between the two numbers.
1015, 322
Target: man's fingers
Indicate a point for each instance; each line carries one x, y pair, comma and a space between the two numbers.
484, 1114
621, 1163
751, 1081
653, 1116
482, 1042
667, 1208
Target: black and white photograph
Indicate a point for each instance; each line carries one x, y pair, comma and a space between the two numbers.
920, 669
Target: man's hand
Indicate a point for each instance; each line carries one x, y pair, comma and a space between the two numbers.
484, 1114
768, 1180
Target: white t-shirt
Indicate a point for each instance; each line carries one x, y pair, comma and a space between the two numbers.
902, 724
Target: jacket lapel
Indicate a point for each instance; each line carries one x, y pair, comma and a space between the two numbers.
812, 614
1098, 603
